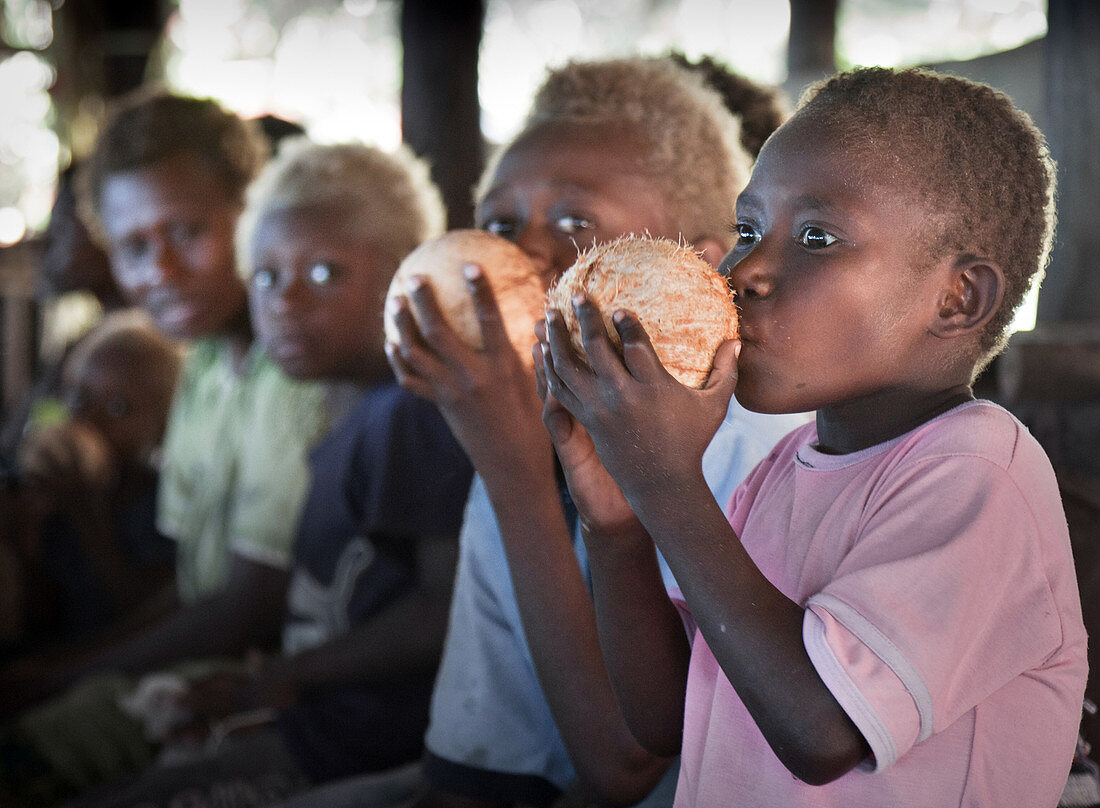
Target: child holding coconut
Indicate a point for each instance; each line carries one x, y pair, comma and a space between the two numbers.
523, 707
887, 613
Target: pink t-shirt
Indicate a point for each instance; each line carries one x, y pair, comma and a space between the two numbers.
941, 611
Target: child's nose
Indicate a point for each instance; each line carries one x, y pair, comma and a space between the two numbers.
291, 295
750, 276
165, 265
538, 244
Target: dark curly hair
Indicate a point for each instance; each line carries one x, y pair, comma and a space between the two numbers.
149, 126
974, 159
761, 108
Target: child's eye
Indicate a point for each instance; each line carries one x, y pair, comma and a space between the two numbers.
571, 225
263, 279
815, 238
183, 233
132, 248
320, 274
746, 234
500, 227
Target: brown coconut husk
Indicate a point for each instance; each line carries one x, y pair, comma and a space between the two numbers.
684, 305
517, 286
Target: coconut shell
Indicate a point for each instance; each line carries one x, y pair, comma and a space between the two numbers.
684, 305
519, 290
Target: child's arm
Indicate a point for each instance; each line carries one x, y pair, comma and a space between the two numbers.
404, 639
246, 613
490, 402
641, 634
650, 432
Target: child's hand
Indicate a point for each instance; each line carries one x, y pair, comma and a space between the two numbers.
649, 430
67, 464
600, 502
488, 397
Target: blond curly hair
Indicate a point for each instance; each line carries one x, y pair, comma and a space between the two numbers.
388, 197
693, 146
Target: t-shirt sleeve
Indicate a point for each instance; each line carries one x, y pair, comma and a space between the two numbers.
287, 419
941, 601
410, 477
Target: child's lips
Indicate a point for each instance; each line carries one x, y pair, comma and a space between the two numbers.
288, 344
179, 313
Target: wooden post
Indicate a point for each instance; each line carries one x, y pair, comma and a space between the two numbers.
1071, 292
440, 111
811, 44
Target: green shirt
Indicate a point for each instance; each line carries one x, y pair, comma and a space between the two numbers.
235, 473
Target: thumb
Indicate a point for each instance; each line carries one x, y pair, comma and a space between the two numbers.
723, 373
557, 420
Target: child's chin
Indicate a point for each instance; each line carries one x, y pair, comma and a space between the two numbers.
754, 401
301, 368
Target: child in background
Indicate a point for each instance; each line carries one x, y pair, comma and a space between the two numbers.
162, 189
92, 552
322, 233
887, 614
74, 290
523, 708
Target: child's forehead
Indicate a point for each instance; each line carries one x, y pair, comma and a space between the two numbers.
316, 220
817, 160
555, 142
580, 155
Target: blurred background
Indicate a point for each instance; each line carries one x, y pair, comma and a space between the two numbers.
452, 78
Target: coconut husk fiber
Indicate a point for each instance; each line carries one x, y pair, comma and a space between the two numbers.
682, 302
517, 286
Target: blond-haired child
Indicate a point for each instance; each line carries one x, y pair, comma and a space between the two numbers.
523, 707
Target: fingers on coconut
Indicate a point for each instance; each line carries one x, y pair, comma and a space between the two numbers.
408, 331
559, 363
540, 371
638, 354
597, 344
493, 334
405, 375
433, 326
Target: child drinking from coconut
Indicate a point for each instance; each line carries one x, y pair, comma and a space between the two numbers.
322, 233
523, 707
887, 612
162, 189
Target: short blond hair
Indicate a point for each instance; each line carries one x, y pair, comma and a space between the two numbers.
389, 197
693, 147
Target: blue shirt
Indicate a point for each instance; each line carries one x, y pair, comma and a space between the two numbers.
492, 735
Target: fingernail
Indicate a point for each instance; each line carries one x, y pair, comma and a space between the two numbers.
471, 271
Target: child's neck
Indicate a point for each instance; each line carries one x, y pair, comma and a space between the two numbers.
238, 333
866, 422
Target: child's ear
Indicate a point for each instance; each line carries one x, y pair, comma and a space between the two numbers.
711, 249
972, 295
